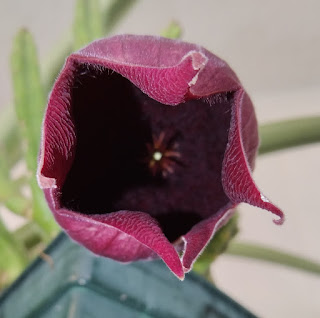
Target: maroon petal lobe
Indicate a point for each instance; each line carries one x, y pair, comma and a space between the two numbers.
165, 79
199, 236
135, 234
236, 173
128, 175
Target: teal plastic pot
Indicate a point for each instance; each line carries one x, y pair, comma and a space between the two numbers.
78, 284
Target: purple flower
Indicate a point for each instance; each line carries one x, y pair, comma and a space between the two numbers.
148, 145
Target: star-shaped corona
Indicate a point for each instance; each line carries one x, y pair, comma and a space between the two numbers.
162, 156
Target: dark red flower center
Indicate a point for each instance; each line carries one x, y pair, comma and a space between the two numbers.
162, 155
134, 153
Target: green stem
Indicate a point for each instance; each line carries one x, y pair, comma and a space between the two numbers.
289, 133
16, 252
259, 252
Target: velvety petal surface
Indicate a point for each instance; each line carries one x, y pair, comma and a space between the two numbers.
148, 142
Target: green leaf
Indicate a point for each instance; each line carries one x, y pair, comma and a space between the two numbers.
19, 205
13, 256
29, 103
10, 137
10, 194
28, 93
6, 187
11, 153
172, 31
41, 213
87, 23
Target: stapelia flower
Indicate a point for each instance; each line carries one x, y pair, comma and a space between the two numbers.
148, 145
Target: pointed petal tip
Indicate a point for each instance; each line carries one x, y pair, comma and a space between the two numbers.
177, 270
275, 210
264, 203
187, 269
199, 60
281, 219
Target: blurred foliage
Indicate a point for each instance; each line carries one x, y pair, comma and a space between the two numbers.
13, 256
29, 100
172, 31
88, 23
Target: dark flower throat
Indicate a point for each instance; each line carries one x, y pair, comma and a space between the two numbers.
117, 125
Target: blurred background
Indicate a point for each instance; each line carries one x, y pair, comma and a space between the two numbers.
274, 47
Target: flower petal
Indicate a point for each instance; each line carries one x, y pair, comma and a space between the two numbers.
110, 102
239, 156
146, 63
200, 235
124, 235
